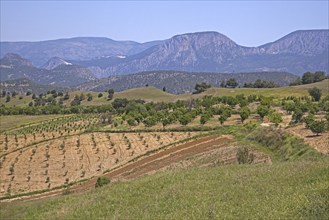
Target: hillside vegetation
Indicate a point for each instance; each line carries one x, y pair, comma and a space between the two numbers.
301, 90
179, 82
157, 95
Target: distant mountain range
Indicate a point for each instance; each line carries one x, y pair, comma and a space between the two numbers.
64, 74
23, 85
297, 52
79, 48
19, 74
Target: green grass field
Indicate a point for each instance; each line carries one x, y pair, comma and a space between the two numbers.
289, 190
13, 121
157, 95
280, 92
146, 93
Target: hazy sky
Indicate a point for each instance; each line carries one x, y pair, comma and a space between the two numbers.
249, 23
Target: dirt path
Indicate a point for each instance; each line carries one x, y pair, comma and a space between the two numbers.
148, 164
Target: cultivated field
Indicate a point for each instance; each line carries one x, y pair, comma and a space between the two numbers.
61, 161
32, 133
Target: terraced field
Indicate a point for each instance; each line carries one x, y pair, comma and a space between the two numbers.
60, 161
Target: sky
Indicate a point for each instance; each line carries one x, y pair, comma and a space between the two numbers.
248, 23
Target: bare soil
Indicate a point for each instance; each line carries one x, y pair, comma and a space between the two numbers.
221, 147
57, 162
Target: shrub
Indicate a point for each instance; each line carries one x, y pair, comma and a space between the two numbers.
244, 113
101, 181
270, 137
262, 111
297, 116
315, 93
243, 155
275, 118
317, 127
309, 120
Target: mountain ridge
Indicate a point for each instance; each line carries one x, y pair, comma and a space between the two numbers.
77, 48
12, 67
297, 52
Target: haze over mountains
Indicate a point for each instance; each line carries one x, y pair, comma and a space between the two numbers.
75, 61
297, 52
12, 66
79, 48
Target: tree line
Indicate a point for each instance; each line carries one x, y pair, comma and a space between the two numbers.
309, 78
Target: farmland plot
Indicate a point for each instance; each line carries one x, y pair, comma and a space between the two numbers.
61, 161
21, 137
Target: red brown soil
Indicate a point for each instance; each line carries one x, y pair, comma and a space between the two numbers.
149, 163
59, 161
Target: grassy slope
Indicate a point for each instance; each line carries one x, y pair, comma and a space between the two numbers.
147, 93
156, 95
290, 190
12, 121
277, 92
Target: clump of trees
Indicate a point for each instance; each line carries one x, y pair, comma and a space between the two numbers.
309, 77
260, 84
199, 88
230, 83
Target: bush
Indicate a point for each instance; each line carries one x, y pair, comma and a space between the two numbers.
275, 118
317, 127
309, 120
315, 93
262, 111
270, 137
101, 181
244, 113
243, 156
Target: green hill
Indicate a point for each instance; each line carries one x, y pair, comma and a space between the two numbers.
156, 95
179, 82
301, 90
145, 93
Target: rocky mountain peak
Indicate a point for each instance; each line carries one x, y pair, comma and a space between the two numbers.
12, 60
302, 42
197, 41
54, 62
